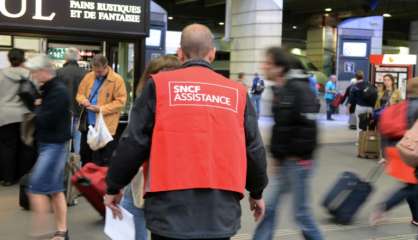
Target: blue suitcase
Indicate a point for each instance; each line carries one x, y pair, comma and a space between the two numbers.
348, 194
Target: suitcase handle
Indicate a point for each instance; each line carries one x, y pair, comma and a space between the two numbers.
375, 173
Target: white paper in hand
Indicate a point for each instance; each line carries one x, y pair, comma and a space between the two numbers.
117, 229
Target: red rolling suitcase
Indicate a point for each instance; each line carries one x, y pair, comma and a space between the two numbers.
90, 181
337, 101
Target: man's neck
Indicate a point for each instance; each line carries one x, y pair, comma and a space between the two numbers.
197, 59
280, 81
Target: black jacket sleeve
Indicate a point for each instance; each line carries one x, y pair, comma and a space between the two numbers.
256, 154
294, 133
53, 106
355, 95
135, 143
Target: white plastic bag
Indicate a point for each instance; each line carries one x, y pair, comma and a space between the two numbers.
98, 136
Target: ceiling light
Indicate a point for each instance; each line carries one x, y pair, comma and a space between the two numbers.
221, 23
328, 9
387, 15
295, 27
326, 14
170, 18
296, 51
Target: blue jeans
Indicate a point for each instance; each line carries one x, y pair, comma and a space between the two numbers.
256, 99
330, 108
76, 134
293, 177
409, 193
139, 218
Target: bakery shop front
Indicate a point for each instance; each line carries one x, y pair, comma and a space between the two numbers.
116, 28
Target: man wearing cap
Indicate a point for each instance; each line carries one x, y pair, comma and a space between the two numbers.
197, 135
53, 130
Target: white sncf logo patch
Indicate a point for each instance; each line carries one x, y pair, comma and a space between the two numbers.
204, 95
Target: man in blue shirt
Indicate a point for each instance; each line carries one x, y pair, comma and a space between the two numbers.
101, 90
313, 84
330, 94
91, 115
257, 90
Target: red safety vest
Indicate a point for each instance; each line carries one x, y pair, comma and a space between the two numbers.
198, 140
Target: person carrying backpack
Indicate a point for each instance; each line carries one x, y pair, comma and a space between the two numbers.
257, 90
363, 96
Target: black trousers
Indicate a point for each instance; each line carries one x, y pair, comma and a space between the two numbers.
16, 159
100, 157
156, 237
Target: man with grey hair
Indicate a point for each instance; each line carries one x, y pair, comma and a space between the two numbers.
52, 133
197, 135
71, 74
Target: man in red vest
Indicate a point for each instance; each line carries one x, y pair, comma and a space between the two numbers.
196, 133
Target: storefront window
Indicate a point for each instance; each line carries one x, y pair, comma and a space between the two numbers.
27, 43
5, 41
126, 70
56, 51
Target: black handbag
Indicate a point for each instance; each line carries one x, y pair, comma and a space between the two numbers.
27, 129
28, 93
82, 122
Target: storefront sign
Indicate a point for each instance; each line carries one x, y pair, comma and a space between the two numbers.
349, 67
392, 59
120, 18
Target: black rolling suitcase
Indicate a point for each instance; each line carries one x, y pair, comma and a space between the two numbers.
348, 194
367, 122
23, 196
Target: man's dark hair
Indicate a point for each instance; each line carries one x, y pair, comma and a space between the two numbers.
359, 75
99, 60
241, 75
282, 58
16, 57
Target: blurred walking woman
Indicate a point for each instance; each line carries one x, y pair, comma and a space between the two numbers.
53, 131
395, 166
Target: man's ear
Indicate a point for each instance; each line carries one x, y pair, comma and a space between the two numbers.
180, 55
212, 55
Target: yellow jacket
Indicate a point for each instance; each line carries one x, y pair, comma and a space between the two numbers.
111, 97
394, 98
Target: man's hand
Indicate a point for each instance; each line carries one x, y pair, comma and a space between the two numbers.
38, 102
112, 201
86, 103
382, 161
93, 108
259, 208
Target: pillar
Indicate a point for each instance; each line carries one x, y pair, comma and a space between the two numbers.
413, 41
321, 48
255, 26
